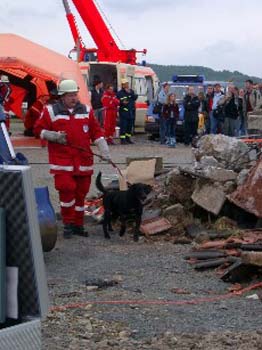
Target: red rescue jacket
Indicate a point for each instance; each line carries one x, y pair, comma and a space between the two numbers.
110, 101
33, 114
80, 127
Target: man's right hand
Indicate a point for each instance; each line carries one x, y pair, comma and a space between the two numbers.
54, 136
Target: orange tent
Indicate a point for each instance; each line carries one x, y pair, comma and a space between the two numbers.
21, 58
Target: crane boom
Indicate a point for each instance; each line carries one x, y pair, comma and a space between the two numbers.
107, 47
79, 46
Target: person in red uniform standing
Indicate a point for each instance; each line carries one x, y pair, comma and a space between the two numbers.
70, 127
33, 114
5, 92
110, 104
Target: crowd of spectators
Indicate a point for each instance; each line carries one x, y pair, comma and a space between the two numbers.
217, 110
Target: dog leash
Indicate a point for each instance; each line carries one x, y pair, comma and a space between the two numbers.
79, 148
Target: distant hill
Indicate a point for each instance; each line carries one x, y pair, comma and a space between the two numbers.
165, 73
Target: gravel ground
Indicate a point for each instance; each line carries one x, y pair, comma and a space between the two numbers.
142, 272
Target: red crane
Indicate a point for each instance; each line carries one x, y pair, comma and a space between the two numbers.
79, 45
107, 49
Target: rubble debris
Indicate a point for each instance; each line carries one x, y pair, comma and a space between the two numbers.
178, 217
249, 195
211, 263
253, 297
179, 188
176, 210
239, 272
206, 161
206, 254
158, 163
195, 230
209, 197
228, 151
252, 258
242, 176
225, 223
155, 226
94, 209
182, 240
219, 174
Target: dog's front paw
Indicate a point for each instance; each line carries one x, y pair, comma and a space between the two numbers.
107, 237
121, 233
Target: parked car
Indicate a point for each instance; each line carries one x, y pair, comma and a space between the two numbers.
179, 85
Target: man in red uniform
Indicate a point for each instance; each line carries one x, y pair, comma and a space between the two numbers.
70, 126
110, 104
33, 114
5, 92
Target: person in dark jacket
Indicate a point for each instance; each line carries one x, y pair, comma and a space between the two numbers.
96, 101
191, 105
171, 114
126, 97
233, 106
209, 102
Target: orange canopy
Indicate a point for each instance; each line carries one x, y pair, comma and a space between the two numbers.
21, 57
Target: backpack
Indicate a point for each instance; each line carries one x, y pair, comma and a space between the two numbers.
157, 109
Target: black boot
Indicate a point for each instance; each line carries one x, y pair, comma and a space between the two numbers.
80, 231
68, 231
129, 141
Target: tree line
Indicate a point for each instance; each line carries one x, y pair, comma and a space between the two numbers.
165, 73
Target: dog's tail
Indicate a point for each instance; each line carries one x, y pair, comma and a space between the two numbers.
99, 184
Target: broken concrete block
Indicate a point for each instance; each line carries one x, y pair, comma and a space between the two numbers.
206, 161
180, 189
229, 187
158, 166
174, 210
219, 174
178, 217
209, 197
226, 150
249, 195
242, 176
252, 258
155, 226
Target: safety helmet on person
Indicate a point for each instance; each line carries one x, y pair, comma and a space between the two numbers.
124, 81
67, 86
4, 79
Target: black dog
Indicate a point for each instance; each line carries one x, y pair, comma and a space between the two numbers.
122, 204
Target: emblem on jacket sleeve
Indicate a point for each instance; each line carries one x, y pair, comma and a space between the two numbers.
85, 128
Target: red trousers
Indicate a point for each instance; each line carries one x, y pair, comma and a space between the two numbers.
72, 192
110, 122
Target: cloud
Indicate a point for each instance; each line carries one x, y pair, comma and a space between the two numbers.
222, 35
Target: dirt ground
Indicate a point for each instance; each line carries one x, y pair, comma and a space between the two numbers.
156, 301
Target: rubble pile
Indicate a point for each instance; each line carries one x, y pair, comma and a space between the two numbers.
212, 201
221, 167
239, 258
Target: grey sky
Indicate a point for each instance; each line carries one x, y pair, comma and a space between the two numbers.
220, 34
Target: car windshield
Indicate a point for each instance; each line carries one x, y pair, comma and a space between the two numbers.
181, 90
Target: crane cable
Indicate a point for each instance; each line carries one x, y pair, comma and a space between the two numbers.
110, 26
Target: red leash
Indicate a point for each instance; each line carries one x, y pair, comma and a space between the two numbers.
82, 149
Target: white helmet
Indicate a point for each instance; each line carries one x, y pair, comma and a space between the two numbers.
66, 86
4, 79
